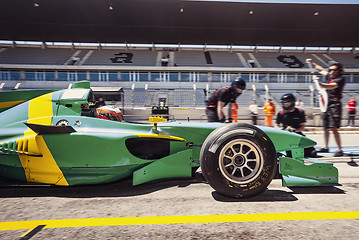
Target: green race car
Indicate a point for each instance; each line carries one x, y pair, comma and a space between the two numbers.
55, 138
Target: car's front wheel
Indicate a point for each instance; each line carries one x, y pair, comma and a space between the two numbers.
238, 160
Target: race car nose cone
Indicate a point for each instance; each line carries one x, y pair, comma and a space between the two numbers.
306, 142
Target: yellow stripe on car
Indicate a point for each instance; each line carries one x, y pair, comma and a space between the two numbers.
43, 168
161, 136
40, 110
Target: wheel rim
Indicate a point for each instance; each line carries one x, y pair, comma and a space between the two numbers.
241, 161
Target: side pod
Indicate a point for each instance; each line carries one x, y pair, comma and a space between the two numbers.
176, 165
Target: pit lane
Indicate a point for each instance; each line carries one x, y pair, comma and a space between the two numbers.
204, 213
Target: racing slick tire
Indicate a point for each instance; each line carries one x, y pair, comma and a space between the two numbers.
238, 160
62, 122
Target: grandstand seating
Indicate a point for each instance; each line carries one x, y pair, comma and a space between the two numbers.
225, 59
121, 57
53, 56
189, 58
101, 65
140, 97
282, 60
347, 59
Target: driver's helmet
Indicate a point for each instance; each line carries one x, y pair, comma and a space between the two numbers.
239, 83
288, 101
110, 113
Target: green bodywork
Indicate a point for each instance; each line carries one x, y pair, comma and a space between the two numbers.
297, 170
9, 99
97, 151
307, 172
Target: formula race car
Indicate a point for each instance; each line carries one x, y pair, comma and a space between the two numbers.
55, 139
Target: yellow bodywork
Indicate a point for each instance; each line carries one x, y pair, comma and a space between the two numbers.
35, 157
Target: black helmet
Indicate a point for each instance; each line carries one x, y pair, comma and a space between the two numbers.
288, 98
239, 83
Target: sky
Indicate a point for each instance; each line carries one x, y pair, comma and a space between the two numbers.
290, 1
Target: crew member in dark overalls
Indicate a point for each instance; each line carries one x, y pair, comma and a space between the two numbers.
333, 116
293, 119
220, 98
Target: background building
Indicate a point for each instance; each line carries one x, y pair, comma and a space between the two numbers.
176, 49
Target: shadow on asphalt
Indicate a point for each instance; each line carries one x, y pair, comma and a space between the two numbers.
279, 196
352, 164
124, 188
266, 196
317, 190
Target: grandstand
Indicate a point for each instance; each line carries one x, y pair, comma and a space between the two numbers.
184, 77
162, 60
131, 58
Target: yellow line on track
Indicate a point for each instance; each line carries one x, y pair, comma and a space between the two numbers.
121, 221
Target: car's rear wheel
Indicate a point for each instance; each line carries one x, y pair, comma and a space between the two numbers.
62, 122
238, 160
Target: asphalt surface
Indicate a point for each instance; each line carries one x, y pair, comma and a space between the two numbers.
188, 208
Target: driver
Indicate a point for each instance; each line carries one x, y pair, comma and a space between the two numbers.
109, 113
87, 111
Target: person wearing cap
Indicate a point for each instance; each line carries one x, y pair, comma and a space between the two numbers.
333, 115
220, 98
293, 119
